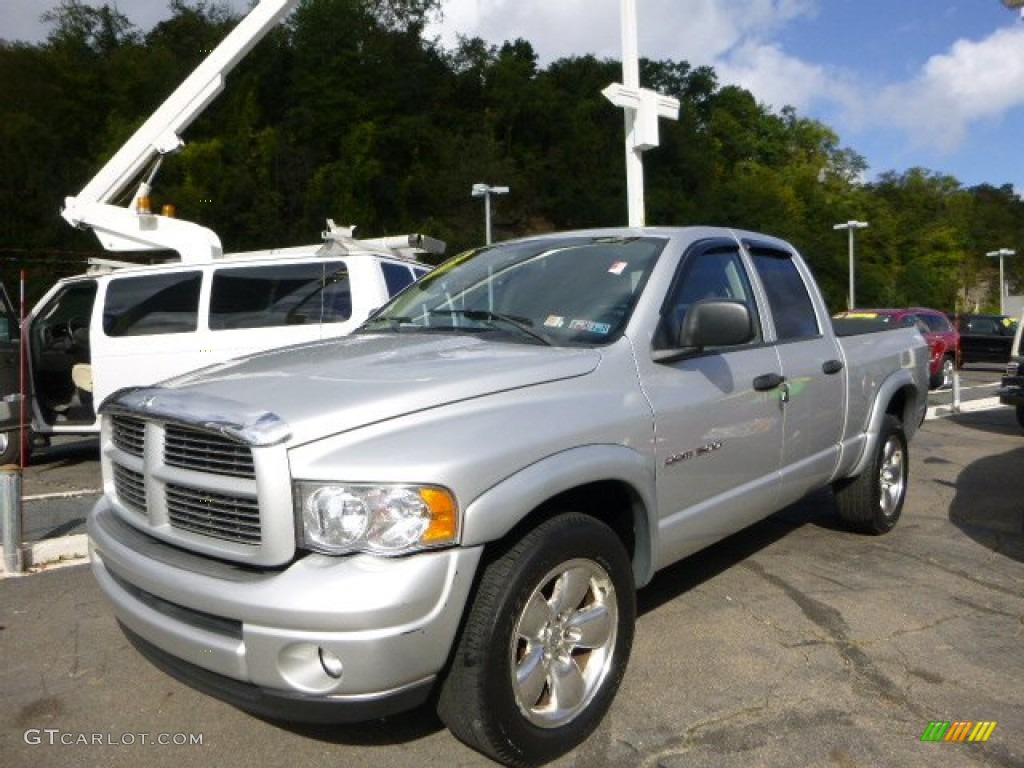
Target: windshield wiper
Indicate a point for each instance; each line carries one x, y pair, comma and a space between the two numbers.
497, 319
393, 323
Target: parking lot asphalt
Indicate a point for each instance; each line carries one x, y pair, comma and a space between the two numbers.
793, 643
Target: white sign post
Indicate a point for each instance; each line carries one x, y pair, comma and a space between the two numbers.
642, 109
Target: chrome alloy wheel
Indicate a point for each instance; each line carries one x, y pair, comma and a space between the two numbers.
892, 476
563, 643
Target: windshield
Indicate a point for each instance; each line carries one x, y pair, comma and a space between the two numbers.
560, 291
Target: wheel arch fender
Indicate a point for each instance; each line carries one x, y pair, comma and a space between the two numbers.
598, 480
899, 395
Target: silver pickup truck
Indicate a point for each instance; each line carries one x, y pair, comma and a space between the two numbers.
458, 502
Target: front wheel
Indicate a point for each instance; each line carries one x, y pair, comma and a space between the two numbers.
872, 501
545, 644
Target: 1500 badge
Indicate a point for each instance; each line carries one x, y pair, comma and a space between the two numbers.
705, 449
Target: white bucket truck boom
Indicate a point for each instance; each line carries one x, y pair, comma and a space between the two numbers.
135, 227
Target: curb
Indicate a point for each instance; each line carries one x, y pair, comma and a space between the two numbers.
51, 553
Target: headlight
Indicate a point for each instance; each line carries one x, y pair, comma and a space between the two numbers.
384, 519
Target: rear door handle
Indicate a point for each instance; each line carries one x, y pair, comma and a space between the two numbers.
768, 381
832, 366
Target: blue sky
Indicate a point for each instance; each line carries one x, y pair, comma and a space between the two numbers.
931, 83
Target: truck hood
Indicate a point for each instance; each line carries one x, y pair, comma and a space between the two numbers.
309, 391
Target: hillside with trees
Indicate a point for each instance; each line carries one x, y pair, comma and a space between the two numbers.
345, 111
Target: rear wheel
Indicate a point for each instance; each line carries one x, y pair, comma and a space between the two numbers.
1020, 415
545, 643
872, 501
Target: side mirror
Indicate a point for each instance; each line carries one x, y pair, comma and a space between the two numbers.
711, 323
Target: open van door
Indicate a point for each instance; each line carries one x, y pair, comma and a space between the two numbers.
58, 332
10, 410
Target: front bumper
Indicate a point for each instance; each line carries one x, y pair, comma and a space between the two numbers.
258, 638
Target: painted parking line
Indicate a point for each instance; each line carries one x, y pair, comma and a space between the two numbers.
982, 404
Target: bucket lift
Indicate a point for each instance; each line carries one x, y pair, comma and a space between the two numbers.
136, 227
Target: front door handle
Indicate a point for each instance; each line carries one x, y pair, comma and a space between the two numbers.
768, 381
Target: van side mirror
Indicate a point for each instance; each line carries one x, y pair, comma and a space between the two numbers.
711, 323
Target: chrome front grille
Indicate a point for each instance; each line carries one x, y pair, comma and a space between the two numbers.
129, 435
206, 452
166, 474
220, 516
131, 488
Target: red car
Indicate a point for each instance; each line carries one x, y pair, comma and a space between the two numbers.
943, 339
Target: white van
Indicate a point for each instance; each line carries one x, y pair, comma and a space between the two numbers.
94, 334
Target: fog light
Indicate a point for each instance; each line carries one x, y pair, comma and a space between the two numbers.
331, 663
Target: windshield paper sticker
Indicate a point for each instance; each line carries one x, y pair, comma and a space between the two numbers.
554, 321
590, 326
617, 268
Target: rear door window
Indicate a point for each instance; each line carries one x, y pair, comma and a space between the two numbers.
280, 294
788, 298
150, 305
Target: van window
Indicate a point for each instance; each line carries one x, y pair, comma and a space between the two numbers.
280, 294
396, 276
152, 304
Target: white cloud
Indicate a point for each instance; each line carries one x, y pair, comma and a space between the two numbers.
973, 82
705, 30
775, 78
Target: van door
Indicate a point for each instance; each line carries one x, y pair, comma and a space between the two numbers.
146, 330
59, 349
10, 411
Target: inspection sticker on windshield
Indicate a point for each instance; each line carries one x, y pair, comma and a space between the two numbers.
590, 326
618, 267
554, 321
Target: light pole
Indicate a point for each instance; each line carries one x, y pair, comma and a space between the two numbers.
851, 226
1001, 253
485, 191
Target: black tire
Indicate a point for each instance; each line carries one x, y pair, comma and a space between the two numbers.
561, 599
872, 501
1020, 415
